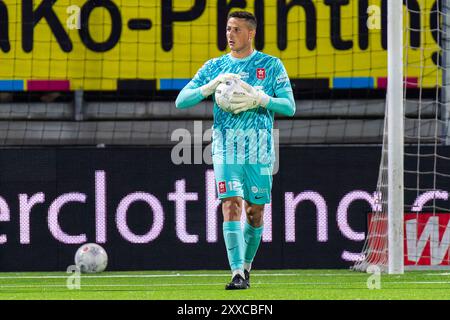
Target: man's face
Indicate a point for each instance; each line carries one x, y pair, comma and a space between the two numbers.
239, 34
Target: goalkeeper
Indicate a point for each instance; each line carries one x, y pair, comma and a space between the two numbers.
239, 179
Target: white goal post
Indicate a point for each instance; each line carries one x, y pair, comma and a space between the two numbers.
395, 111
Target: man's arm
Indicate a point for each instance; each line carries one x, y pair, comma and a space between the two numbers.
252, 98
191, 94
188, 97
283, 104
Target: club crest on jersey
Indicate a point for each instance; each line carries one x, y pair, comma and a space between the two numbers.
222, 187
261, 73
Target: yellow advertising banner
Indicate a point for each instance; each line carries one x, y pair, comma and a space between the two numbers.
92, 45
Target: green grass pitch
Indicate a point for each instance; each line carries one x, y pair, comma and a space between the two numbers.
209, 285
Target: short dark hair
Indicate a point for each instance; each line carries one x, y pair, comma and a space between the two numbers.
247, 16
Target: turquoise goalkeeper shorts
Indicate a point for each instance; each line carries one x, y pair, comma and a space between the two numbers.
252, 182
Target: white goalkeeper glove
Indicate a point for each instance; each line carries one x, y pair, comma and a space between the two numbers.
249, 99
209, 88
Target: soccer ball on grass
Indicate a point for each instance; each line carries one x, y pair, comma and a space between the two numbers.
91, 258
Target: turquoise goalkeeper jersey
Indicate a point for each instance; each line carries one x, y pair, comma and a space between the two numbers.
248, 136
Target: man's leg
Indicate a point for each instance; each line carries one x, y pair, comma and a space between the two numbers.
232, 233
229, 188
257, 189
234, 240
253, 230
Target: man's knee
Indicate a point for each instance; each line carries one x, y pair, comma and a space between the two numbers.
232, 208
255, 214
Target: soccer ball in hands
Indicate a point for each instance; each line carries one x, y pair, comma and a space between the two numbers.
225, 91
91, 258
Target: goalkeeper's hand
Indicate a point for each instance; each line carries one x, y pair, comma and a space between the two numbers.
209, 88
251, 98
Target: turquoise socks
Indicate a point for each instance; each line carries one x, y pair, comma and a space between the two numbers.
252, 238
241, 247
234, 241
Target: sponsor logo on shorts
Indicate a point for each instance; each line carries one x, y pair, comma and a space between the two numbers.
222, 187
259, 190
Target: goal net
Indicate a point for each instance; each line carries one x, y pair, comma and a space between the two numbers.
409, 225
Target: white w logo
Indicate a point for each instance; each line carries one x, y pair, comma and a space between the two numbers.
416, 246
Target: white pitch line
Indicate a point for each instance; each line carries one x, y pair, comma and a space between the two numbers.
179, 275
85, 276
422, 282
108, 285
206, 284
158, 285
